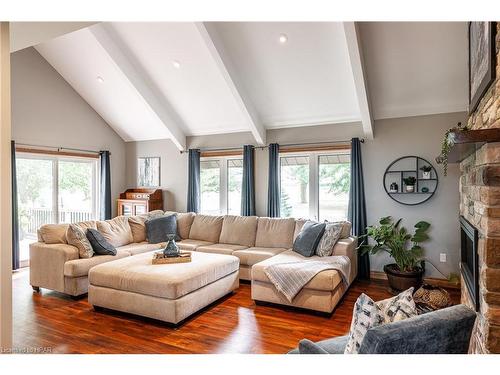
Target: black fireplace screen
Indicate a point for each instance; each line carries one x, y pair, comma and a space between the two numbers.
469, 266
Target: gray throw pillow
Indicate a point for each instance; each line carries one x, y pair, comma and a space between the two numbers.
159, 228
307, 240
99, 243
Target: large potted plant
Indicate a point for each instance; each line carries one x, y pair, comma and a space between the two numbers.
403, 247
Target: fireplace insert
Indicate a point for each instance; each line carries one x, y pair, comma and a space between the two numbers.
469, 262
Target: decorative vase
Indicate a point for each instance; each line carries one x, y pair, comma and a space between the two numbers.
171, 250
410, 188
426, 175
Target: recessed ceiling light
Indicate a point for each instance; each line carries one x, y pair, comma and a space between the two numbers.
283, 38
100, 79
176, 64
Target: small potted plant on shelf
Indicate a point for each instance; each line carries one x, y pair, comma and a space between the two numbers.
410, 184
426, 172
403, 247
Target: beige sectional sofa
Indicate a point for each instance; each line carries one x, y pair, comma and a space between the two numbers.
255, 241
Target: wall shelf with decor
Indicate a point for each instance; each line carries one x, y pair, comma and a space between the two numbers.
410, 180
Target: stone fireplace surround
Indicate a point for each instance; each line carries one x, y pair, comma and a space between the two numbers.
480, 205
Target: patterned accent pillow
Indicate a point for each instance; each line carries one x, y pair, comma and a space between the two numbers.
329, 239
366, 314
399, 307
76, 236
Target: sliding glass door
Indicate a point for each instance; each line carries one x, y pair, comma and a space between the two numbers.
52, 189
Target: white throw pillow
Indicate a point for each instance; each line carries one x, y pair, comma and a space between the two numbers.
368, 314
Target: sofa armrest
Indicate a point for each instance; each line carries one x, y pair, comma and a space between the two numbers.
347, 246
47, 264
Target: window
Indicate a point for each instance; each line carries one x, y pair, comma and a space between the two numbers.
315, 185
53, 189
220, 180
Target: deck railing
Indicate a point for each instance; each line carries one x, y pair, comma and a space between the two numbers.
39, 216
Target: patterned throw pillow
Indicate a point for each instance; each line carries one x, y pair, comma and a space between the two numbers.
76, 236
398, 308
329, 239
366, 314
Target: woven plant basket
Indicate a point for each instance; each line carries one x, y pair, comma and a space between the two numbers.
431, 298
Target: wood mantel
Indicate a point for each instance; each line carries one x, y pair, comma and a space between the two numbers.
466, 142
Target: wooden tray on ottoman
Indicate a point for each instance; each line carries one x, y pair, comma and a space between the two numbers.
158, 258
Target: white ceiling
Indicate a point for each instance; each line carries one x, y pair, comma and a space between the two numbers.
415, 68
238, 77
196, 90
306, 81
80, 59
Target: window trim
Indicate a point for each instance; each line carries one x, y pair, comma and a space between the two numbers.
313, 174
223, 179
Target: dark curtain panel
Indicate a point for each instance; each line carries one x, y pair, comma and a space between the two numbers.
273, 190
194, 191
248, 184
357, 205
15, 217
105, 193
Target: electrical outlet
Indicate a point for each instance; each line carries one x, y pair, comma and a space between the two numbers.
442, 257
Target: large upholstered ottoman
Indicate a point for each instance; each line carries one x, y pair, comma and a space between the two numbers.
167, 292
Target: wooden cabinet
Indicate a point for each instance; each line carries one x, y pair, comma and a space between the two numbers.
139, 201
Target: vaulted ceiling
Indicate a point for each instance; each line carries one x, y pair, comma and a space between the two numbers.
172, 80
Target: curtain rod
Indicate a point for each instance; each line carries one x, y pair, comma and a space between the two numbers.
281, 145
59, 148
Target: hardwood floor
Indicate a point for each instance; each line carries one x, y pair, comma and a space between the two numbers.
234, 324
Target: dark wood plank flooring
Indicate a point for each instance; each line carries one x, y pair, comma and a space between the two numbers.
234, 324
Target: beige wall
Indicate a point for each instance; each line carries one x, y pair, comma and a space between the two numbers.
394, 138
5, 193
47, 111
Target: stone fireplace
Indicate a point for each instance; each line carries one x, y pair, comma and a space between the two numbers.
480, 205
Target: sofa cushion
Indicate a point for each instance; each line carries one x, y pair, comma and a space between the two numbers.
99, 243
158, 229
76, 236
171, 281
184, 222
53, 233
308, 347
116, 231
273, 232
138, 224
192, 245
141, 247
253, 255
308, 239
206, 228
327, 280
239, 230
220, 248
81, 267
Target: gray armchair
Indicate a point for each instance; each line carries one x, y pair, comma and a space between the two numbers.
445, 331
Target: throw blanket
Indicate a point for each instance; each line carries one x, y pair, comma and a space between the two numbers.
289, 278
